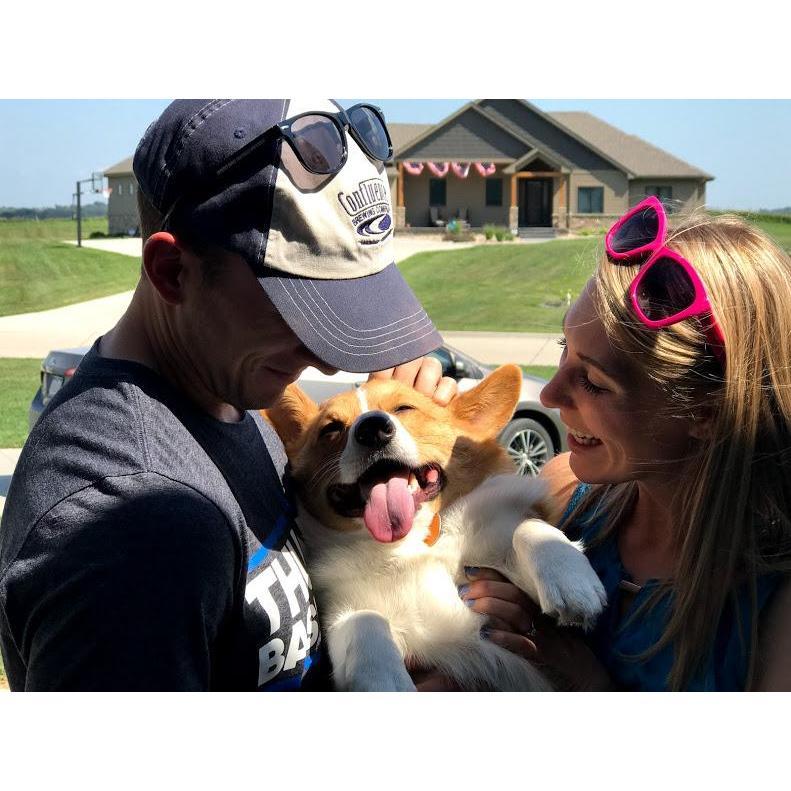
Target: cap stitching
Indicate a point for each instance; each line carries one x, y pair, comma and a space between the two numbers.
185, 134
307, 296
360, 354
359, 329
166, 171
271, 187
315, 328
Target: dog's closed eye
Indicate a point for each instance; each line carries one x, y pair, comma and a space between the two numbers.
403, 408
332, 429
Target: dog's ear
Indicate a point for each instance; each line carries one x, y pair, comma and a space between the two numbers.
489, 405
290, 415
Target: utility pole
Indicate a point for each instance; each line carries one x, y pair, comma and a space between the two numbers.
97, 183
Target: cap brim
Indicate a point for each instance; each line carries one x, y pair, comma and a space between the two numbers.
360, 325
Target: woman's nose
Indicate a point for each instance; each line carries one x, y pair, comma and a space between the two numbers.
555, 392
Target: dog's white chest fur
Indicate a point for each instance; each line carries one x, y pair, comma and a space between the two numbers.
381, 604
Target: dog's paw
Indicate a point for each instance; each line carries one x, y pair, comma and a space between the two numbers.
568, 587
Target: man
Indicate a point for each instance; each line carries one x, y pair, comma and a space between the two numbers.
147, 541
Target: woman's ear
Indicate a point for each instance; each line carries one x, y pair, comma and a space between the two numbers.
163, 264
701, 423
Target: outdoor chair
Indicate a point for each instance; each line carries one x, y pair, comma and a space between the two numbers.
435, 218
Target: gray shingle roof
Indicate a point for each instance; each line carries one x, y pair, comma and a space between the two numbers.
634, 153
401, 134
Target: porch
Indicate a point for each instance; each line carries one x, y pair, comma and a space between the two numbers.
528, 199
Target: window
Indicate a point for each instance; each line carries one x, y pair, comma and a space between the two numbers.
132, 188
494, 192
665, 194
590, 200
120, 190
437, 192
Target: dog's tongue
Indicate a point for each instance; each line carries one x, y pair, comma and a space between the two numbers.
390, 510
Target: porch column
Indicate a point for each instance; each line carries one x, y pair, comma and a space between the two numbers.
400, 210
513, 211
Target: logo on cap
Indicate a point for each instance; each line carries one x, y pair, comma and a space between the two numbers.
369, 209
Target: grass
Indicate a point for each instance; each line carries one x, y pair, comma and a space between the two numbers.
39, 272
57, 230
543, 371
513, 288
779, 231
20, 378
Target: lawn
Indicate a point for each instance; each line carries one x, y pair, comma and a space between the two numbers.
779, 231
507, 287
20, 378
39, 272
58, 230
542, 371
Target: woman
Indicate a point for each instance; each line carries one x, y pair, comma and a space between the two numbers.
675, 383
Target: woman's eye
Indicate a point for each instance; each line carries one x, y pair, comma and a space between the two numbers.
589, 386
403, 408
333, 427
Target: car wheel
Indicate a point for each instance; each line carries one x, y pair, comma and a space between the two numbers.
529, 445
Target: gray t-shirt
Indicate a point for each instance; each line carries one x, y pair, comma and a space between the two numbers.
147, 546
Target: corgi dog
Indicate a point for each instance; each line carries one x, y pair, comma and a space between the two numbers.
396, 495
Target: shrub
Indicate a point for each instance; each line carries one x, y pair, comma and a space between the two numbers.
489, 231
503, 234
98, 235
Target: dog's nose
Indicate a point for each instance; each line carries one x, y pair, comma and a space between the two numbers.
374, 430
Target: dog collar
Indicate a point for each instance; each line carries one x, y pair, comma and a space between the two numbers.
434, 530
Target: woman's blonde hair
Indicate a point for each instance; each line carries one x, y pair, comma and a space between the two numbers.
732, 511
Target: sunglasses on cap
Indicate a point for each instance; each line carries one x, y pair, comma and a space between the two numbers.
666, 289
318, 139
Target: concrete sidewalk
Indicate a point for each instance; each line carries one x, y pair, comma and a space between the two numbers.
496, 348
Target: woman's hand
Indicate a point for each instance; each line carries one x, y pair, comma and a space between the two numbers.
516, 623
425, 375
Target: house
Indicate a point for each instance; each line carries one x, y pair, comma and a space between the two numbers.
122, 203
561, 170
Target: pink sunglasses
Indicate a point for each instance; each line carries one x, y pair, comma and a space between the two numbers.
667, 289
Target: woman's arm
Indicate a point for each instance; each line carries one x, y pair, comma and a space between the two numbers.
774, 644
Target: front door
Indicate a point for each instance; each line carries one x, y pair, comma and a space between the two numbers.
535, 202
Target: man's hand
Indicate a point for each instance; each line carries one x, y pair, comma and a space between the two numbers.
425, 375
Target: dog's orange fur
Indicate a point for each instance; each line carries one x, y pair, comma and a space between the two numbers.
461, 438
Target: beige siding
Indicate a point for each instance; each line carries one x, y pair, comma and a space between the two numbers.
122, 205
687, 194
461, 194
615, 184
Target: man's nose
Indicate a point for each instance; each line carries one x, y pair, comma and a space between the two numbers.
374, 430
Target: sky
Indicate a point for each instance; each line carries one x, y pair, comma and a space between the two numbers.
46, 145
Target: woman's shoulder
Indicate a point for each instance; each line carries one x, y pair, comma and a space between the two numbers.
561, 483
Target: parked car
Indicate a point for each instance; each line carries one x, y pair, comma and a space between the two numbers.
534, 435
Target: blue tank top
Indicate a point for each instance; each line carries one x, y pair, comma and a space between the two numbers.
615, 639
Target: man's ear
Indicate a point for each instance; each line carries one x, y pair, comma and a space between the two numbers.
291, 414
489, 405
164, 265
